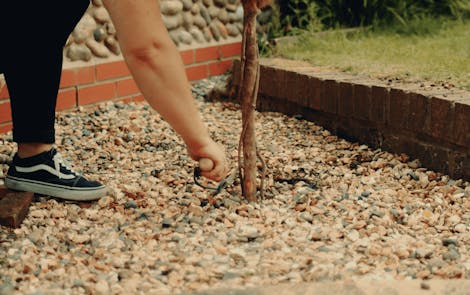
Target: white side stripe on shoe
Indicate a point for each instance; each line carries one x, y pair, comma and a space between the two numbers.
44, 167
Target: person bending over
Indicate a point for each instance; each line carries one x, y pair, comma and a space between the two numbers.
31, 61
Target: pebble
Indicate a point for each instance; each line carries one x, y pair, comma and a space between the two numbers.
131, 204
460, 228
159, 233
78, 52
97, 48
425, 286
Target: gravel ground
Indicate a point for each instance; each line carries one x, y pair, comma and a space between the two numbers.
332, 210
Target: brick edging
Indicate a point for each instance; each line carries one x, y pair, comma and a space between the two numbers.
432, 125
85, 83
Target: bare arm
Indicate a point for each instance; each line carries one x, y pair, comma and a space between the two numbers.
158, 70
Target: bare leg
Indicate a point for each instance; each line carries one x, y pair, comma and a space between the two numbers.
158, 70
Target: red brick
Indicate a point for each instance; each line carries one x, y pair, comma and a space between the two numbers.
300, 88
96, 93
440, 118
4, 91
329, 98
267, 80
85, 75
345, 99
290, 90
219, 68
67, 78
5, 127
399, 108
207, 54
418, 105
187, 56
314, 100
126, 87
77, 76
66, 99
111, 70
379, 99
461, 132
228, 50
361, 101
138, 98
197, 72
280, 84
14, 208
283, 78
125, 99
5, 111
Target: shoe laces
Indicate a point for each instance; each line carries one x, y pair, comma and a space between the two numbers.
59, 161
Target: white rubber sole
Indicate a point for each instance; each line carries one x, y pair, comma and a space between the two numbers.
54, 190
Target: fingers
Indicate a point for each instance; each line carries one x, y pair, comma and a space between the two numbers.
217, 173
212, 160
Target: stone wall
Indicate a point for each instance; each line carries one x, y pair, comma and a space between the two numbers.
189, 22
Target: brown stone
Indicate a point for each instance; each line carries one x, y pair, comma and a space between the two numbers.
85, 205
222, 29
113, 45
14, 207
459, 165
98, 49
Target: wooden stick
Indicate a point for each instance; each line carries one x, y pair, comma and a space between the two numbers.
247, 95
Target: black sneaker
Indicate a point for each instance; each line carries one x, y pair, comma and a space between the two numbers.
46, 174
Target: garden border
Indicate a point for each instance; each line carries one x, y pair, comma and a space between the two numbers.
431, 124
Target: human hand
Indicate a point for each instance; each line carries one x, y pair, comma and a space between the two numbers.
210, 154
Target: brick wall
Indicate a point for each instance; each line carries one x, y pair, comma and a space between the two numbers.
431, 124
85, 83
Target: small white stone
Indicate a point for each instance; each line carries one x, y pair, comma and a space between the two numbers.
102, 287
460, 228
353, 235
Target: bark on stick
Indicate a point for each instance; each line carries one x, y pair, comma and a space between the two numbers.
247, 96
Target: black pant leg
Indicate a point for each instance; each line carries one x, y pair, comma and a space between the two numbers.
32, 61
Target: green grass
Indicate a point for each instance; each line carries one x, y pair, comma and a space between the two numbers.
432, 50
